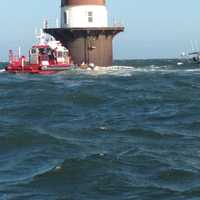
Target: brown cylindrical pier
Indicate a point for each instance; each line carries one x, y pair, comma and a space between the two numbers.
89, 45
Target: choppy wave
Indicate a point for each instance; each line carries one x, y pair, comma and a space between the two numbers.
136, 67
128, 71
130, 131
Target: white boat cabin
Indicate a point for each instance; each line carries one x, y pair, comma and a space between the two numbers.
46, 55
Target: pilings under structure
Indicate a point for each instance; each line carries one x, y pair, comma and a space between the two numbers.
88, 45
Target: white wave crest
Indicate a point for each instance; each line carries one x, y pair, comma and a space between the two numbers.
126, 71
112, 70
131, 70
2, 70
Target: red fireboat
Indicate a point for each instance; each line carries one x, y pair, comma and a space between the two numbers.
47, 57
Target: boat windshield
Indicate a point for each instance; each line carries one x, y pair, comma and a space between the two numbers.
44, 51
62, 54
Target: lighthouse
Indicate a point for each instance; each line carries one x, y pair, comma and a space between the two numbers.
83, 14
85, 31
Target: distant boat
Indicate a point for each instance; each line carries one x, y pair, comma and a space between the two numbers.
194, 57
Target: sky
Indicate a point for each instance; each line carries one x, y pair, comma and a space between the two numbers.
153, 29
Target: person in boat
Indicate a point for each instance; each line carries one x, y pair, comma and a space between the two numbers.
51, 55
41, 54
54, 56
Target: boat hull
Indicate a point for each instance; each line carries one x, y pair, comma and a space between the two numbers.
37, 69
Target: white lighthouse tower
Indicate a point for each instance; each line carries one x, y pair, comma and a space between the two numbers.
84, 13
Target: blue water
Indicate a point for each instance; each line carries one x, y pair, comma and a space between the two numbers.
131, 132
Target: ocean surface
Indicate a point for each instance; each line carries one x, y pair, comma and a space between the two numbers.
129, 132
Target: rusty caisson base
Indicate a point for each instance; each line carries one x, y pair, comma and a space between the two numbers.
88, 45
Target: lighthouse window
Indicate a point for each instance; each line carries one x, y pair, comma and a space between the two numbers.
65, 17
90, 17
